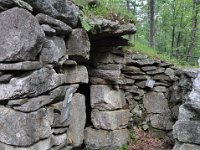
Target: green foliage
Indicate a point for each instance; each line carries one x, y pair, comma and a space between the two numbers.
170, 15
152, 53
124, 147
85, 24
109, 9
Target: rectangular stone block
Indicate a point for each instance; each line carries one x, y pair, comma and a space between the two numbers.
106, 140
76, 74
110, 120
104, 97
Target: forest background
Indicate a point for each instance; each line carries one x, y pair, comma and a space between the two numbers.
168, 29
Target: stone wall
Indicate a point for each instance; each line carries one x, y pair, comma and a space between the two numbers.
62, 87
186, 130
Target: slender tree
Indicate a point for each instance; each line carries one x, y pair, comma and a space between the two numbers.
152, 23
194, 29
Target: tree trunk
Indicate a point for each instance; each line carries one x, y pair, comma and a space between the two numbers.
152, 23
173, 27
193, 32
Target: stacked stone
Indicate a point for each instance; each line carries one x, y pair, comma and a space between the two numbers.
108, 115
187, 129
153, 89
109, 112
39, 106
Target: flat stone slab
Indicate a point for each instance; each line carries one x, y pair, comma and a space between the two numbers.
110, 120
155, 103
34, 104
45, 144
103, 97
31, 85
107, 140
106, 28
187, 131
76, 74
21, 36
26, 65
23, 129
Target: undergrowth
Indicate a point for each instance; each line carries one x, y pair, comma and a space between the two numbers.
113, 10
152, 53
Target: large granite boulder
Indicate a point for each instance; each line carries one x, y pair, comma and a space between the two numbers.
63, 10
23, 129
34, 84
21, 36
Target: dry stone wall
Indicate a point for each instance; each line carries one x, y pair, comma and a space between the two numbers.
63, 88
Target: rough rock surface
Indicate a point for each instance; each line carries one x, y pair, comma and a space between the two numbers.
63, 10
33, 84
110, 120
76, 74
155, 103
102, 97
45, 144
18, 132
104, 28
108, 140
24, 43
60, 27
77, 120
53, 50
187, 131
78, 45
25, 65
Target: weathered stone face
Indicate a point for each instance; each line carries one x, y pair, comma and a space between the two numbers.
53, 50
103, 97
187, 131
110, 120
20, 39
23, 129
76, 74
63, 10
34, 84
105, 139
45, 144
155, 103
60, 27
161, 121
77, 120
21, 66
78, 45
